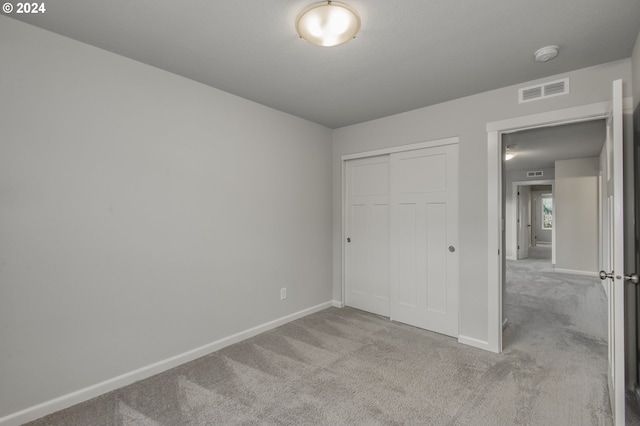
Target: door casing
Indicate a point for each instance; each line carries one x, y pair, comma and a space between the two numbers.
495, 217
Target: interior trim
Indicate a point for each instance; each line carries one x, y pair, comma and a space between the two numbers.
495, 221
402, 148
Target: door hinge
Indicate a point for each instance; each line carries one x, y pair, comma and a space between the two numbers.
518, 247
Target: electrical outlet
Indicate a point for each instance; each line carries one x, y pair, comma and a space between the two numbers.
283, 293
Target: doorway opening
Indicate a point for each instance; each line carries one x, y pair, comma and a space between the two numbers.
549, 258
529, 217
613, 243
495, 197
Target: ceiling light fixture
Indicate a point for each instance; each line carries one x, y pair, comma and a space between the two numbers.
328, 23
546, 53
508, 155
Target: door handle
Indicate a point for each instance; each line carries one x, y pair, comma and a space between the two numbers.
633, 278
603, 275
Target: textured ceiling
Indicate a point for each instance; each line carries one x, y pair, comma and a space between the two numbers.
537, 149
409, 53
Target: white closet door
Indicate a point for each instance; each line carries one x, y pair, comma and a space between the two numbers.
367, 231
424, 238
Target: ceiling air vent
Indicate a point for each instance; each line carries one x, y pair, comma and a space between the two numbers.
544, 90
538, 173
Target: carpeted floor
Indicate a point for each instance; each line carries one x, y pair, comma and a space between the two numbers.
346, 367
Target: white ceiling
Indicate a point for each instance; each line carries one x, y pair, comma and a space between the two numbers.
537, 149
409, 53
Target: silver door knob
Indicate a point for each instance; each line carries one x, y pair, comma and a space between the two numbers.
452, 249
633, 278
604, 275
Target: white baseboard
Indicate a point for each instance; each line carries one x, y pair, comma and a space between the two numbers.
337, 304
476, 343
511, 258
574, 272
73, 398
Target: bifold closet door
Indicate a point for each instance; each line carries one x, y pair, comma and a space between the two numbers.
424, 238
367, 232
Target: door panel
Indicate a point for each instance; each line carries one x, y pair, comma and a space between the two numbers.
636, 174
424, 224
436, 257
367, 227
614, 246
424, 174
406, 233
524, 221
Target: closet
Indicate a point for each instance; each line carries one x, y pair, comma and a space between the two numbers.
401, 236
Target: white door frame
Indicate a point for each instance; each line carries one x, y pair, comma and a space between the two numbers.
514, 212
495, 221
347, 157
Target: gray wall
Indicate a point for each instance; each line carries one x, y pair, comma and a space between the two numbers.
576, 214
143, 215
466, 118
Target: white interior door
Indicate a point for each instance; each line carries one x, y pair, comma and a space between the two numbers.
424, 238
367, 230
614, 246
524, 221
535, 215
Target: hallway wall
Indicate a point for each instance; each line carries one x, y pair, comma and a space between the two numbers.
576, 215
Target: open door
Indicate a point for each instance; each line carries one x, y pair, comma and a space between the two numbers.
614, 245
636, 174
524, 221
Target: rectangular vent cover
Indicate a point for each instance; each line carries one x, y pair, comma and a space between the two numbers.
535, 174
544, 90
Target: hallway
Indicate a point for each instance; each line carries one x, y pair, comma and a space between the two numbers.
559, 321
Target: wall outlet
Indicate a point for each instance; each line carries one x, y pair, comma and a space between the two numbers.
283, 293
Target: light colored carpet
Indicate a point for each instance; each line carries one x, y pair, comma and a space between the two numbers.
346, 367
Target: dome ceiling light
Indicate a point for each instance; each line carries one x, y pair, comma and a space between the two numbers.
509, 153
328, 23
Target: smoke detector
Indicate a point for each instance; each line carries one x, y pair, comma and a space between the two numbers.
546, 53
